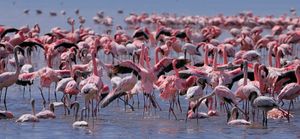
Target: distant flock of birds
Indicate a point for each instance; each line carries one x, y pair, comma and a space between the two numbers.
166, 57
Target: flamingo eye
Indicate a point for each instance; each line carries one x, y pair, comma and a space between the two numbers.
192, 96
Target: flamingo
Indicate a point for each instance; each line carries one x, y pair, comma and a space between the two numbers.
232, 118
92, 81
9, 78
193, 94
29, 117
265, 104
26, 68
46, 114
291, 91
225, 95
81, 122
126, 84
6, 115
246, 89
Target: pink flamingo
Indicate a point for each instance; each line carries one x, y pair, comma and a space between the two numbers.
93, 79
46, 114
125, 85
226, 97
9, 78
6, 115
232, 119
291, 90
29, 117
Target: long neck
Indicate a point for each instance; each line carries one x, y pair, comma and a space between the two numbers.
255, 72
190, 81
142, 57
147, 58
206, 55
156, 55
175, 69
203, 98
33, 108
270, 56
81, 115
298, 77
73, 28
49, 60
29, 56
17, 62
260, 80
278, 55
225, 58
71, 69
215, 60
94, 64
245, 74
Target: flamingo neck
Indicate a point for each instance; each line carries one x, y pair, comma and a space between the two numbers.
94, 64
245, 74
142, 56
71, 69
81, 115
49, 61
225, 58
17, 62
147, 59
255, 72
156, 55
298, 77
73, 28
206, 55
190, 81
33, 108
175, 69
278, 55
29, 57
260, 80
215, 60
270, 56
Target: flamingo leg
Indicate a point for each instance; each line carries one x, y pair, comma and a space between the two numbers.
92, 107
179, 105
44, 101
49, 94
23, 92
186, 115
67, 111
171, 109
293, 103
266, 118
55, 92
5, 95
263, 118
125, 100
288, 115
138, 100
253, 115
144, 105
30, 91
0, 94
132, 108
149, 103
215, 102
154, 99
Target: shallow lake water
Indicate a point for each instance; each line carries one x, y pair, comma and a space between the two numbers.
113, 121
